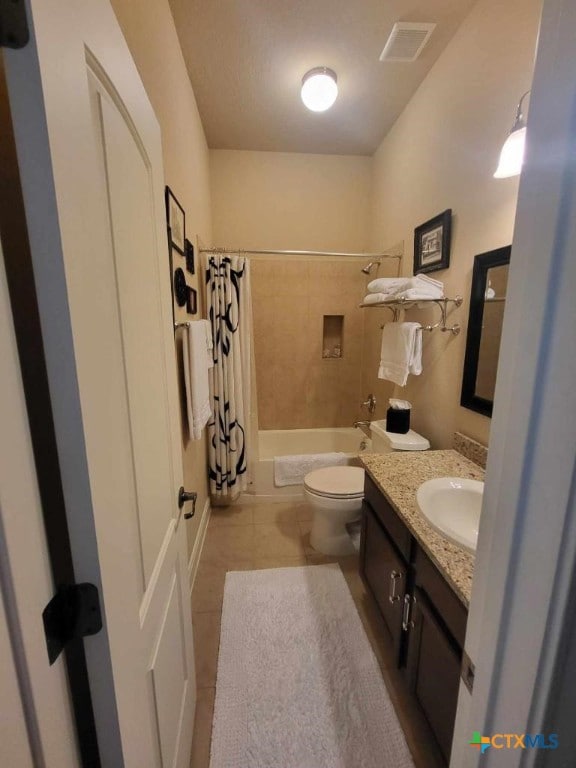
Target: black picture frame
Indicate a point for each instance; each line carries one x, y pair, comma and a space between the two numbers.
482, 263
176, 221
432, 243
191, 301
189, 256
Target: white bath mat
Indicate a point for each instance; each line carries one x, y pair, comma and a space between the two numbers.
298, 684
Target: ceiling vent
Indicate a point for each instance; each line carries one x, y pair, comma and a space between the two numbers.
406, 41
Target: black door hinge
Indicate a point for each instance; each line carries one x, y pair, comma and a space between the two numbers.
73, 612
13, 24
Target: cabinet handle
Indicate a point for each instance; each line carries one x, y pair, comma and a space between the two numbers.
394, 576
406, 622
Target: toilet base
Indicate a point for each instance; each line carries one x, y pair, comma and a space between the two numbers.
330, 516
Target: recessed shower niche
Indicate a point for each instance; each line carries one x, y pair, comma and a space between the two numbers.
332, 336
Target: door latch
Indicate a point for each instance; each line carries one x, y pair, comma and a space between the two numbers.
73, 612
183, 497
13, 24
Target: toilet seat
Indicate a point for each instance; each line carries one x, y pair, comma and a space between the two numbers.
336, 482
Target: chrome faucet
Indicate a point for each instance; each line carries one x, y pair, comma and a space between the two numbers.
369, 404
364, 426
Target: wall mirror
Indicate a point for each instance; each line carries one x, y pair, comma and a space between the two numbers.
487, 302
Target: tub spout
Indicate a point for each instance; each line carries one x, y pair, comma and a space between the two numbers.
364, 426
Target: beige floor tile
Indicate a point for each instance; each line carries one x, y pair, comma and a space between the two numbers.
282, 513
278, 562
208, 589
277, 540
203, 728
238, 514
206, 642
229, 543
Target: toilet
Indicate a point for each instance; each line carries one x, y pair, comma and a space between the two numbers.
335, 493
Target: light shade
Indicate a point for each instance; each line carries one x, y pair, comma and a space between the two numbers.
319, 89
512, 155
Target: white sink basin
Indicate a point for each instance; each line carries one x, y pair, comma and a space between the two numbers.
452, 506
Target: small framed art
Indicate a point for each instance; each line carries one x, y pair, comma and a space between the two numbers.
191, 301
176, 219
432, 243
189, 256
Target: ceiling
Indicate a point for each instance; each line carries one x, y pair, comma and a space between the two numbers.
246, 59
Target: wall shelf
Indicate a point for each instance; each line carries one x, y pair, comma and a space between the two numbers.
400, 305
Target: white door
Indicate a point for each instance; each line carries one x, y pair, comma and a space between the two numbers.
90, 153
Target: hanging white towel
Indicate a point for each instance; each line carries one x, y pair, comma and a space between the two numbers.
209, 342
401, 352
291, 470
196, 378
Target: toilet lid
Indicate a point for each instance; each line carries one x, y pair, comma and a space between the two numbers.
337, 482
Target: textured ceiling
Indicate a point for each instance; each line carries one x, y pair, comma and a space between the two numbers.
246, 59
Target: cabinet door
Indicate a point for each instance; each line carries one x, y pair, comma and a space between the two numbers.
433, 670
385, 573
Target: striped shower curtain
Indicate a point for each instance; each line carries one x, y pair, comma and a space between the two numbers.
229, 310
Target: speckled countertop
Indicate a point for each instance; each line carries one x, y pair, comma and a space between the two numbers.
398, 476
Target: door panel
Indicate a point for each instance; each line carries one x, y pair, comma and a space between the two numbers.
98, 238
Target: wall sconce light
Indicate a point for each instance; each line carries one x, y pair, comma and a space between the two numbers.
319, 89
512, 154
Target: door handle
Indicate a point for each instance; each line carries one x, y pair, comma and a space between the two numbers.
183, 497
392, 596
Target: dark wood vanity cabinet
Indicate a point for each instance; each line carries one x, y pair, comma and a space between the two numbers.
425, 619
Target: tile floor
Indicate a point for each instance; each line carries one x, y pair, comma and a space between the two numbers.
273, 536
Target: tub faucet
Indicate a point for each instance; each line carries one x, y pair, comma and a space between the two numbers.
369, 404
364, 426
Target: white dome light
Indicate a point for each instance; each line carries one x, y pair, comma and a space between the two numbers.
319, 89
512, 155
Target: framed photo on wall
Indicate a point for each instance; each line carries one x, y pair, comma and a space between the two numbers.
189, 255
432, 243
176, 219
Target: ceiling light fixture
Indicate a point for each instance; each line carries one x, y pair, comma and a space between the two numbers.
512, 154
319, 89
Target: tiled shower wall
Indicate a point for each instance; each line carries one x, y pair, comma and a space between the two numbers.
297, 387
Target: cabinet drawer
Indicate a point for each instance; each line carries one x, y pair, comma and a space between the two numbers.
453, 613
385, 574
433, 669
394, 526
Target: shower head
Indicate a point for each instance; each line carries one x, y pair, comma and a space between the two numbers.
368, 268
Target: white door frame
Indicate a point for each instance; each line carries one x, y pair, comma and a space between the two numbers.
527, 545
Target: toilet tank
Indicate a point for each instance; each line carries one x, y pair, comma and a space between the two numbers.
385, 442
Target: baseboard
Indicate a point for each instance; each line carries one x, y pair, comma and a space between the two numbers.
198, 544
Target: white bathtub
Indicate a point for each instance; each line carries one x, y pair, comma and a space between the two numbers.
287, 442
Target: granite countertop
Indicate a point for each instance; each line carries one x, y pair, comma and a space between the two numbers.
398, 476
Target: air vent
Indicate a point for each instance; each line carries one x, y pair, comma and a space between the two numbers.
406, 41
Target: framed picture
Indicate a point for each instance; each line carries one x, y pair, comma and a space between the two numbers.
432, 243
189, 255
180, 287
176, 219
191, 301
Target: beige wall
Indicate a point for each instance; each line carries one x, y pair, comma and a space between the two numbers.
299, 202
151, 36
441, 153
290, 201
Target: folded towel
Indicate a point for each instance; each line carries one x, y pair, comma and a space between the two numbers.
291, 470
413, 294
375, 298
386, 284
209, 342
401, 352
196, 377
426, 279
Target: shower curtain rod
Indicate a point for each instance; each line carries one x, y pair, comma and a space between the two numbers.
299, 253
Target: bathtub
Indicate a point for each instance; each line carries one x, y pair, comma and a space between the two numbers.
287, 442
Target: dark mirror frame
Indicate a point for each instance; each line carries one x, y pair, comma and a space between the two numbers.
482, 263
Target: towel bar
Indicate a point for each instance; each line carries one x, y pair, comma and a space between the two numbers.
403, 304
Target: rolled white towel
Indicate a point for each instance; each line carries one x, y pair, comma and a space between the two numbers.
414, 294
387, 284
375, 298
